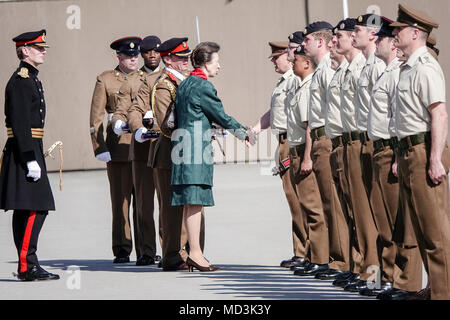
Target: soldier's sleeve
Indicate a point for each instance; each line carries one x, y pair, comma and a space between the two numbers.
212, 107
163, 99
97, 115
429, 85
123, 103
19, 97
139, 106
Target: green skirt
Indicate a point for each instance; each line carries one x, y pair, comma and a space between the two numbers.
195, 194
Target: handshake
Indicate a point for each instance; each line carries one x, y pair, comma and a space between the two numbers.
251, 137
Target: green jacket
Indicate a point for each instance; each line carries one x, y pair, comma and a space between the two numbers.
197, 107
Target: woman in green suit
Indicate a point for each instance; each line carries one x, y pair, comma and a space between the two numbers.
197, 107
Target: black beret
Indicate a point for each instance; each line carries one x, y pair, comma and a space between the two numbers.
317, 26
369, 20
345, 25
128, 45
386, 29
174, 46
36, 38
296, 37
300, 51
150, 43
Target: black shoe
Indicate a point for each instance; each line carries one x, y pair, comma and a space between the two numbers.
312, 269
302, 266
37, 273
289, 262
329, 274
300, 263
355, 286
371, 289
158, 258
145, 261
395, 294
177, 267
121, 259
345, 278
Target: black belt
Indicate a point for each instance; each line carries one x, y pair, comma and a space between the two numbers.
380, 144
317, 133
337, 142
363, 137
300, 149
408, 142
350, 136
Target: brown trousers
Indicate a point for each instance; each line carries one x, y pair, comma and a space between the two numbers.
428, 206
342, 189
298, 231
334, 217
144, 186
174, 240
408, 272
366, 232
312, 211
121, 190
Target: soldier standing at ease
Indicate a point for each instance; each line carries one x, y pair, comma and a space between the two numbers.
24, 185
143, 180
114, 151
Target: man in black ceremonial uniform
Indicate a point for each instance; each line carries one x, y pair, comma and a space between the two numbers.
24, 185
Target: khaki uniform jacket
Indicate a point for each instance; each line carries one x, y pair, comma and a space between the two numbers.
104, 100
160, 99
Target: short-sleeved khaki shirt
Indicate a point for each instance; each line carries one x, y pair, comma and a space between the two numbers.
380, 118
348, 93
298, 113
370, 73
421, 84
278, 104
318, 96
333, 123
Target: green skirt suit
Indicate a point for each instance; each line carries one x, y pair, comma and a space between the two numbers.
197, 107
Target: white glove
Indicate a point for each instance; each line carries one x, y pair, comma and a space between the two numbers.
104, 156
119, 127
139, 133
34, 171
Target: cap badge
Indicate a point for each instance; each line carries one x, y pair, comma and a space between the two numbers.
305, 31
184, 44
23, 73
360, 19
132, 45
43, 37
157, 45
342, 26
291, 36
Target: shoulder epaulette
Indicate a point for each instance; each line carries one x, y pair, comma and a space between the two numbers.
23, 73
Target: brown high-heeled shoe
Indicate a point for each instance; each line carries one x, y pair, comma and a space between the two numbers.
192, 264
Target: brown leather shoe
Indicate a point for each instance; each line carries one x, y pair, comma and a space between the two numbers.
424, 294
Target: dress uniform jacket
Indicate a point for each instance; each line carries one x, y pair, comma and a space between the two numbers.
104, 100
24, 110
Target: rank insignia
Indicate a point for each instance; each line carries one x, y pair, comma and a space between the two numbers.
23, 73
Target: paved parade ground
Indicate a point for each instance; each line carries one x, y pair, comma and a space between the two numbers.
247, 235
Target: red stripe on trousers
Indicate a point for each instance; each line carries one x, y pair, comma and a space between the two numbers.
26, 242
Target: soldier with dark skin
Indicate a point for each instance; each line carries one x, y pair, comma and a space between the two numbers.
114, 150
24, 185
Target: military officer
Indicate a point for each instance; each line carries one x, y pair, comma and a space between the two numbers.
143, 180
175, 54
317, 36
366, 234
114, 150
24, 185
276, 119
423, 164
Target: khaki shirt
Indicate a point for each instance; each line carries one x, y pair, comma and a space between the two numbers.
333, 123
348, 93
421, 84
319, 87
380, 118
104, 101
278, 104
371, 72
297, 117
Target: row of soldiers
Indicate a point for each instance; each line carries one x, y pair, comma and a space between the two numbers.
362, 122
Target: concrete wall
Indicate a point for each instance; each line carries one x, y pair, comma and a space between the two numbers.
242, 28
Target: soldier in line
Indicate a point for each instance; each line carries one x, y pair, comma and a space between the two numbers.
115, 150
276, 119
24, 185
423, 155
143, 180
317, 36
